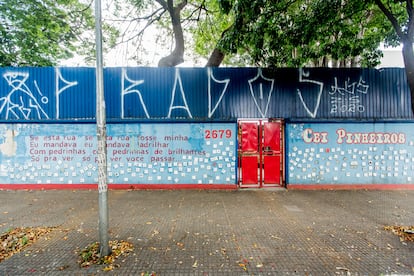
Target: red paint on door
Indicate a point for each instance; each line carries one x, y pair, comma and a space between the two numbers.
249, 154
249, 138
272, 135
271, 171
249, 167
272, 148
260, 153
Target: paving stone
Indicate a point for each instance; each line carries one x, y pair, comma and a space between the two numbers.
207, 232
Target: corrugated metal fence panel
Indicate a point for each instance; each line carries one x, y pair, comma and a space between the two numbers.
76, 90
24, 96
155, 93
33, 94
46, 94
352, 93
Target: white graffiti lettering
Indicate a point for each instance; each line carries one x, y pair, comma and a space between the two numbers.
260, 100
319, 86
349, 87
26, 100
131, 89
20, 102
351, 104
212, 78
173, 97
343, 99
59, 90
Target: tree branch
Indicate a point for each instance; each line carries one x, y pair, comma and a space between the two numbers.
198, 9
181, 5
163, 4
177, 55
148, 24
410, 25
387, 12
409, 8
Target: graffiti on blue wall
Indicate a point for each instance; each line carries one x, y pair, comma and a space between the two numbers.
28, 94
328, 153
137, 153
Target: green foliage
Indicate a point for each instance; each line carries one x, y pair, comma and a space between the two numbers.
42, 32
400, 13
209, 28
24, 240
297, 33
286, 33
225, 5
138, 4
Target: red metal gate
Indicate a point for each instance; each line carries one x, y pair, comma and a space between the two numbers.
260, 153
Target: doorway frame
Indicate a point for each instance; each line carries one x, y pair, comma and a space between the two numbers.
260, 154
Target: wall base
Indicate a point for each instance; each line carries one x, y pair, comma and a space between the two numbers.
118, 186
351, 187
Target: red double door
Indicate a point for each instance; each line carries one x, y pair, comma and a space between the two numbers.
260, 153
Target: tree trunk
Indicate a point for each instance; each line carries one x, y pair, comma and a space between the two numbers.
177, 55
215, 58
408, 56
407, 41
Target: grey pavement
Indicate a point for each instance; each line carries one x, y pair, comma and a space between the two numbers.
216, 232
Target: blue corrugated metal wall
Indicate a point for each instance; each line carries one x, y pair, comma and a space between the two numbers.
54, 94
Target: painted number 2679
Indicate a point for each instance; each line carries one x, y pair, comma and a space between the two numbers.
217, 133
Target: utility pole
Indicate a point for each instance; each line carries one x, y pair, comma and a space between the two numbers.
101, 135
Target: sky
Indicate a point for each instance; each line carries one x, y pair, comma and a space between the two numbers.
119, 58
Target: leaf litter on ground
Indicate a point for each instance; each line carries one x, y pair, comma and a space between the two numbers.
90, 255
406, 233
15, 240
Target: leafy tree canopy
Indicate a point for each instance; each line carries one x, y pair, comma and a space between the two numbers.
42, 32
302, 32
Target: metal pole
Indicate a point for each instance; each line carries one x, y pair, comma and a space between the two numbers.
101, 135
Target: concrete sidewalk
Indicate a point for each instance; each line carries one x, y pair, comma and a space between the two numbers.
193, 232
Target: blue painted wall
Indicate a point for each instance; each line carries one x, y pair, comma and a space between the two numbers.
54, 94
187, 153
357, 153
46, 135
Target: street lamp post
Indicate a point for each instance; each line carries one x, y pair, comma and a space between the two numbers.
101, 135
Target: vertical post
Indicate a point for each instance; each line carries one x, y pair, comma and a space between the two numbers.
261, 157
101, 135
